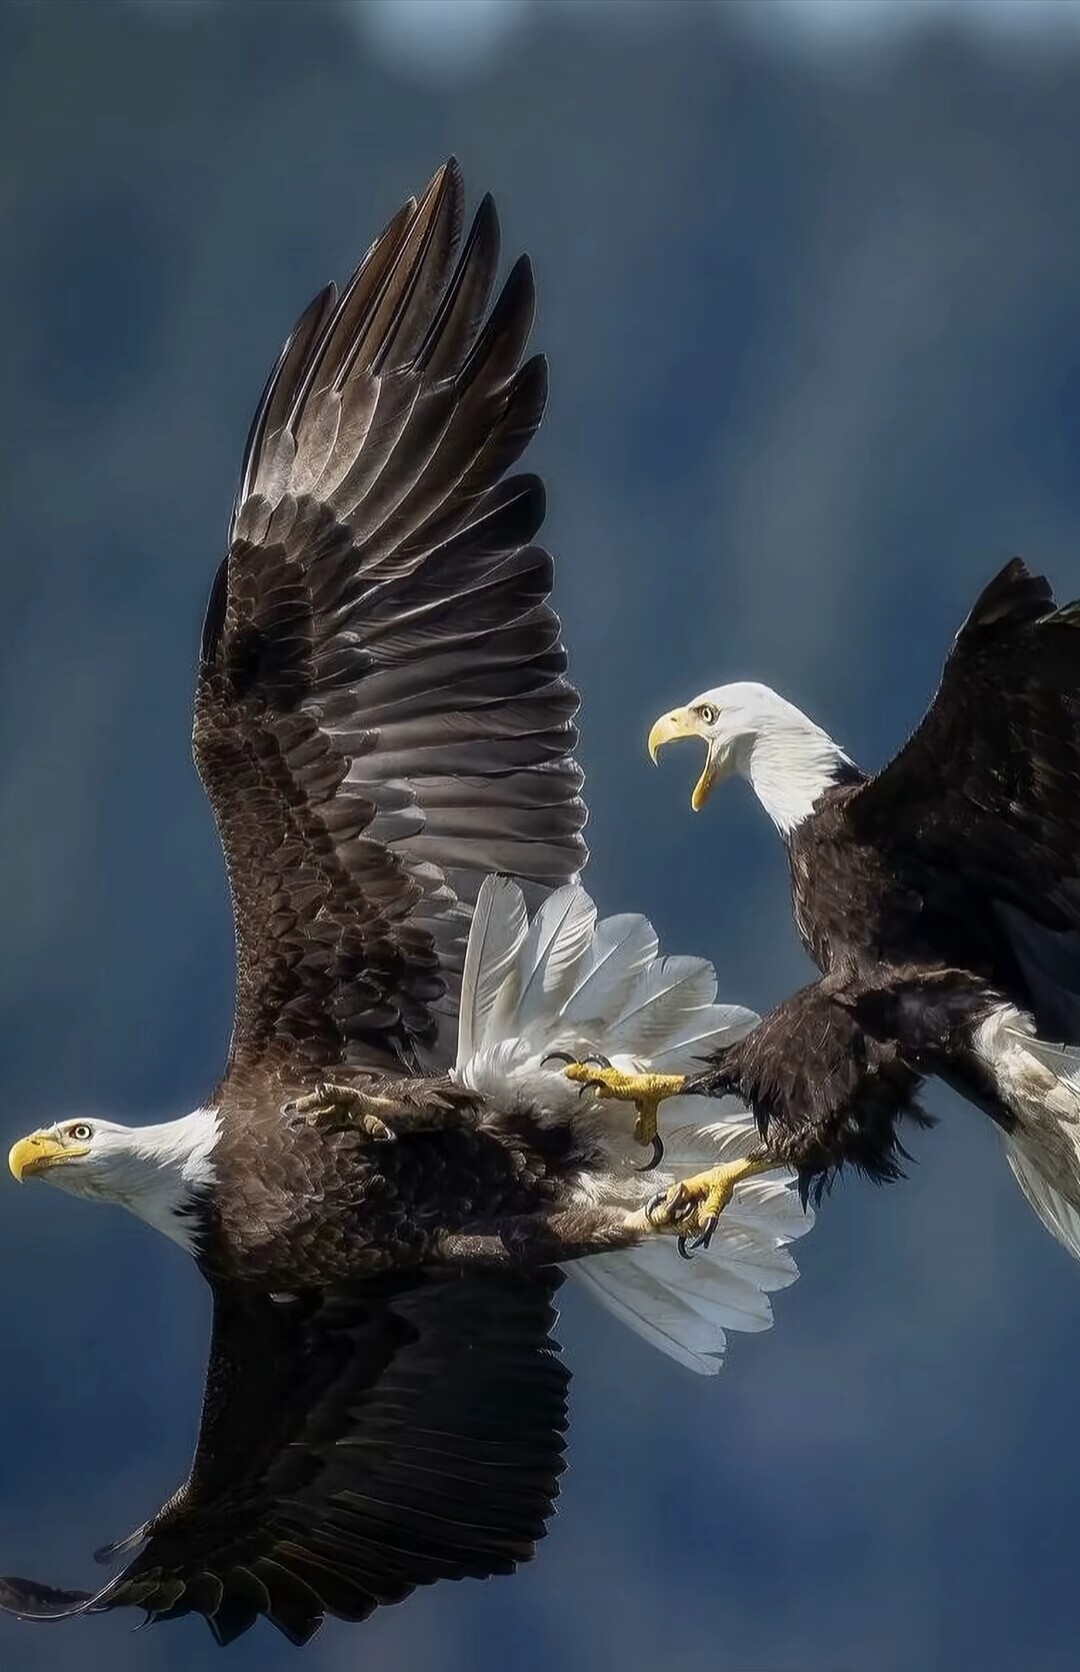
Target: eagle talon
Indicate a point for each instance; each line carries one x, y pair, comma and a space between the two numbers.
692, 1208
333, 1108
557, 1056
646, 1091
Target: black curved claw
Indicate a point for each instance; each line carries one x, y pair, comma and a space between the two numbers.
558, 1056
704, 1237
681, 1245
655, 1159
656, 1201
591, 1085
597, 1061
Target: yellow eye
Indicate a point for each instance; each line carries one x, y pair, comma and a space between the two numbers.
81, 1133
706, 712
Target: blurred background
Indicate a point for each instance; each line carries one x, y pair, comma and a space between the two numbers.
809, 279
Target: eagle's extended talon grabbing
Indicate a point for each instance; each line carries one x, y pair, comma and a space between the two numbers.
647, 1091
331, 1108
692, 1208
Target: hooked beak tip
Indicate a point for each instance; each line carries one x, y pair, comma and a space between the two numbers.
34, 1155
20, 1157
669, 726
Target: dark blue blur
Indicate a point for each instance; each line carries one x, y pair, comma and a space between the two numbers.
814, 325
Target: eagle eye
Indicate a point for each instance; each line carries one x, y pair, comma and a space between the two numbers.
706, 712
81, 1132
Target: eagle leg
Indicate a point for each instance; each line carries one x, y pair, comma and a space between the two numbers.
646, 1091
330, 1108
691, 1209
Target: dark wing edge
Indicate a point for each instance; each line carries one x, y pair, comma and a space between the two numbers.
353, 1447
990, 680
382, 713
988, 785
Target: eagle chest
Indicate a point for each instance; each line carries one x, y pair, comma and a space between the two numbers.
821, 905
295, 1207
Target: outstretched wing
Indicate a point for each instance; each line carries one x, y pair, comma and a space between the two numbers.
986, 793
382, 715
353, 1447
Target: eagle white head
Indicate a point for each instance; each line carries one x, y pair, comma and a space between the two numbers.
154, 1171
751, 730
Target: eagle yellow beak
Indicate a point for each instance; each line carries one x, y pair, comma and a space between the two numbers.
682, 723
39, 1152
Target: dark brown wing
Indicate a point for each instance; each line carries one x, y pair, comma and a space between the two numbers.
382, 715
986, 793
353, 1447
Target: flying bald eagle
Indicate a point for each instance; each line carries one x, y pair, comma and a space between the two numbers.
379, 1197
940, 899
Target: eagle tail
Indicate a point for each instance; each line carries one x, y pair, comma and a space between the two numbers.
1059, 1216
685, 1309
1041, 1168
568, 987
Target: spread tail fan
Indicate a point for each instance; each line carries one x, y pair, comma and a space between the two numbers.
571, 985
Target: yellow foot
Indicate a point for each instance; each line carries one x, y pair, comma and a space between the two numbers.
330, 1108
692, 1208
647, 1091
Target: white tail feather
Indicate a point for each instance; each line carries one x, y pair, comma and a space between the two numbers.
574, 985
684, 1051
557, 938
1059, 1216
658, 1004
620, 949
499, 926
1047, 1171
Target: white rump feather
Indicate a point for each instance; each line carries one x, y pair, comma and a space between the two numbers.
574, 985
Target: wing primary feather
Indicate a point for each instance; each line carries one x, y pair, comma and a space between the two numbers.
380, 626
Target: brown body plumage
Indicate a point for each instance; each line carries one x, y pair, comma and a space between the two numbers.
461, 1182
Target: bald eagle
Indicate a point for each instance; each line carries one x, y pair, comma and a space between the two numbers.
940, 899
394, 1165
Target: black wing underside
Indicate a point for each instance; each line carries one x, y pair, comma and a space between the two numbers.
382, 714
986, 792
352, 1448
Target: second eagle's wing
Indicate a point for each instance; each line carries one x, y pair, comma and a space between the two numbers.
382, 714
985, 795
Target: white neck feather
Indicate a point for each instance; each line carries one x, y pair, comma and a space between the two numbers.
789, 761
154, 1171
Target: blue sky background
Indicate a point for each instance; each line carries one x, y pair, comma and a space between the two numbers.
809, 280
